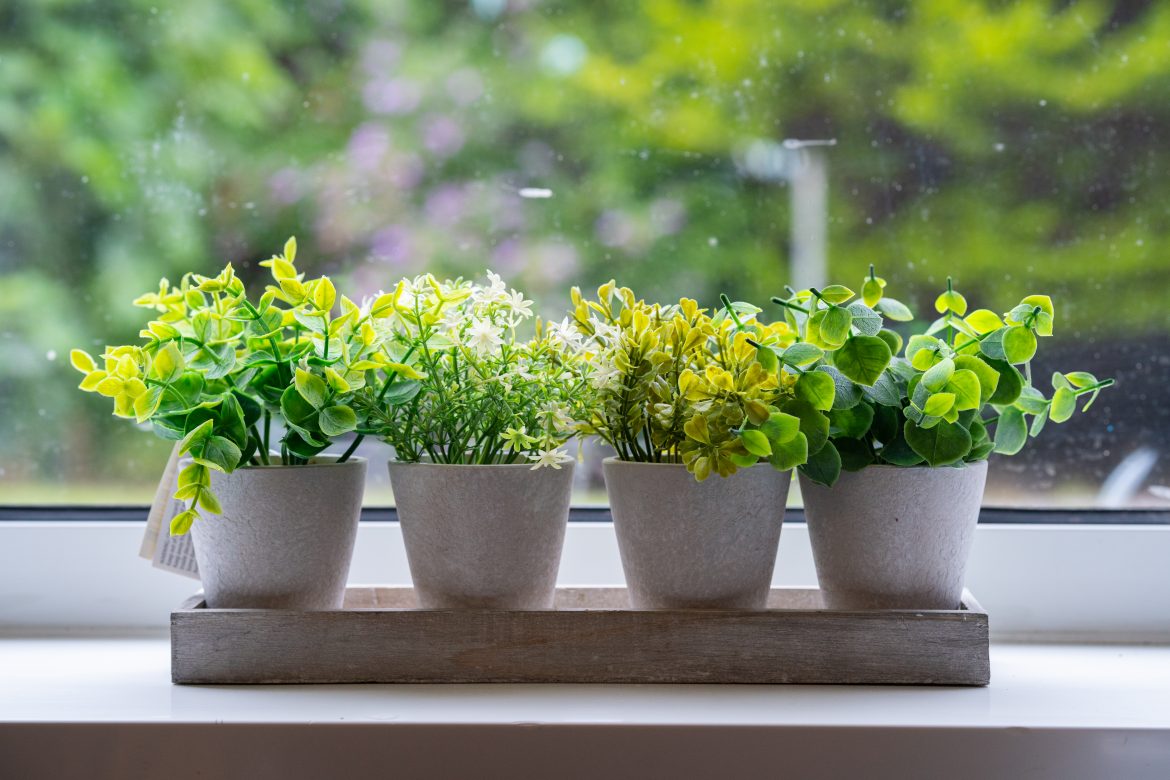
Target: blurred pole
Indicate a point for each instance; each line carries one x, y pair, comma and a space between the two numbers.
809, 182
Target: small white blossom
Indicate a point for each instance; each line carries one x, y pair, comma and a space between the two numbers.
495, 290
566, 334
484, 337
552, 458
521, 308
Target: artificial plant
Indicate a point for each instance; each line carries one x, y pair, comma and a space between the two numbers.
467, 387
214, 370
677, 384
954, 393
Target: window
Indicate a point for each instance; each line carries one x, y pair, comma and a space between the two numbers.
684, 147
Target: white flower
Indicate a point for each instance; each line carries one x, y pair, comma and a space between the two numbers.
521, 308
605, 375
552, 458
495, 290
566, 334
555, 416
483, 336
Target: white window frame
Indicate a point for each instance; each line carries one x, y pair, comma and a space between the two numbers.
1055, 582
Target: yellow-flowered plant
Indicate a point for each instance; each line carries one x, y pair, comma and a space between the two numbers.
213, 370
676, 384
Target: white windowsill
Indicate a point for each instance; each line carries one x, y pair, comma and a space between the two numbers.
1063, 711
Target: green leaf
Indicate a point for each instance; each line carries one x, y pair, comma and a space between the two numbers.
941, 445
766, 357
221, 453
966, 388
1011, 431
937, 376
1064, 403
988, 377
885, 391
1011, 383
846, 394
181, 523
992, 345
336, 420
789, 454
899, 453
1080, 378
209, 502
894, 310
168, 363
302, 448
401, 391
1031, 401
817, 388
850, 423
756, 443
802, 354
923, 351
836, 293
780, 428
938, 404
813, 424
823, 466
951, 301
833, 325
1038, 423
1019, 344
983, 321
863, 358
196, 436
214, 361
892, 339
294, 407
871, 291
312, 388
855, 453
867, 321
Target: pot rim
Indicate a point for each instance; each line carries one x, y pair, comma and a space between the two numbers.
330, 462
613, 459
890, 467
514, 466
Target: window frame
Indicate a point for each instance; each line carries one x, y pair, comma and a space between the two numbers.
1043, 574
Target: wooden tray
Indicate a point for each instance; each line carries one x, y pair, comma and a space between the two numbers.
381, 636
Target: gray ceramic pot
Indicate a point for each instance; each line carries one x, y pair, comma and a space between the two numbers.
486, 537
687, 544
894, 538
285, 538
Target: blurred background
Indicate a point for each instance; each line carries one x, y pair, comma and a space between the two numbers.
685, 147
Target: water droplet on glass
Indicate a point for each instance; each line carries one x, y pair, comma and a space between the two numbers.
999, 147
51, 354
712, 241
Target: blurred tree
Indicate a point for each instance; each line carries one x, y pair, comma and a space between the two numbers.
1019, 146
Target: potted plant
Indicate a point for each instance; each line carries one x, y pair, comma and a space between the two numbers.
273, 522
477, 416
893, 496
706, 431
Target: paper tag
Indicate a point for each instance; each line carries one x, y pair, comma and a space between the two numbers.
169, 553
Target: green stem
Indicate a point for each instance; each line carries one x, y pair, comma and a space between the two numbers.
787, 305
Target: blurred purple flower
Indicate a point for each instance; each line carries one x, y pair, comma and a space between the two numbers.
286, 186
507, 257
442, 135
393, 245
393, 96
368, 145
405, 171
465, 86
446, 205
380, 57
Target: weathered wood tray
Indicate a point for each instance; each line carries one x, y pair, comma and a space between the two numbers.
591, 637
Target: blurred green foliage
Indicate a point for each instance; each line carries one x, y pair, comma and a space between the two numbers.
1015, 145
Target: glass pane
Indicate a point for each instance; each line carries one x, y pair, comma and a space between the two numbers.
1020, 147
